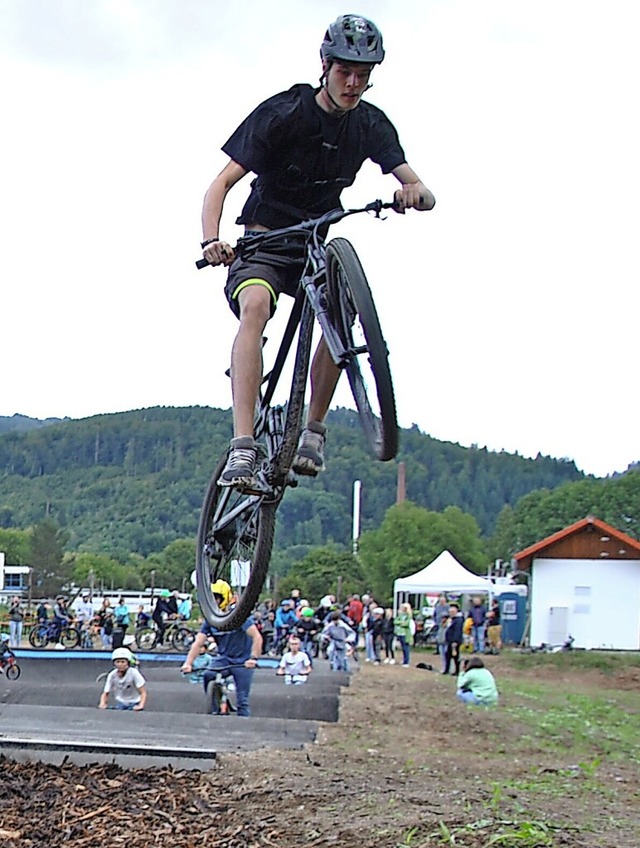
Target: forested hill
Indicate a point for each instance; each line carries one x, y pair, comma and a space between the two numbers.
22, 423
134, 481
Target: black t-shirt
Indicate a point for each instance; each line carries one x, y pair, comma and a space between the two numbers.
304, 157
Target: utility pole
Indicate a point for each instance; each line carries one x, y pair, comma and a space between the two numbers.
355, 535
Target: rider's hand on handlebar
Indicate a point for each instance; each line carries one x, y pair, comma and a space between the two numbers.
219, 253
413, 196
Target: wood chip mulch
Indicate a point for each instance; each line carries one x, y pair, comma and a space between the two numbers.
101, 805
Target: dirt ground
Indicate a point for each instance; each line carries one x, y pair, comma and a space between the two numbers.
405, 766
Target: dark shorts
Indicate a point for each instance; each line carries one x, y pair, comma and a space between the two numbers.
281, 267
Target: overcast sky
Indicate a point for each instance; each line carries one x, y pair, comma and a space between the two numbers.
510, 310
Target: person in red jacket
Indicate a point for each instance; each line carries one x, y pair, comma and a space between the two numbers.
355, 610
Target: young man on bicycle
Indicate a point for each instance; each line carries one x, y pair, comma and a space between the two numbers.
238, 650
305, 145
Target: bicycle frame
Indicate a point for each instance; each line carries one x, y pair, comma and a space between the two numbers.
238, 520
269, 419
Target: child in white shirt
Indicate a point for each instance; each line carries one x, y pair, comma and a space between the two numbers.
295, 664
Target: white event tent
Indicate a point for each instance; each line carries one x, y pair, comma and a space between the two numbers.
444, 574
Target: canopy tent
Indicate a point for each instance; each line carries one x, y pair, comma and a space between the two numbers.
444, 574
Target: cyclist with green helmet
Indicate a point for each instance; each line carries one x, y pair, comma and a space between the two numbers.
305, 145
166, 607
307, 629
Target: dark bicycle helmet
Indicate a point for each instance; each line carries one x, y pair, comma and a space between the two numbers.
352, 38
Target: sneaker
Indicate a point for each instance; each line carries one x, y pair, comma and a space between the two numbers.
309, 459
392, 662
241, 463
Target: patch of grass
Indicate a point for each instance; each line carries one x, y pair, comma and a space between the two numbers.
494, 833
551, 783
591, 726
604, 661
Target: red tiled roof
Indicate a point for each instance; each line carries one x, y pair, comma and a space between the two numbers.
602, 526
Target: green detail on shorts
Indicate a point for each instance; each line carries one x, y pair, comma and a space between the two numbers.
255, 281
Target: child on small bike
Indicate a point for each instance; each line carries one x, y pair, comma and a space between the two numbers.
295, 664
341, 638
5, 650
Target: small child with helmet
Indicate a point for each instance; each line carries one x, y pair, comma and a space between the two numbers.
126, 683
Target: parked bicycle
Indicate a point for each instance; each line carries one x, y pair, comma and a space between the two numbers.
42, 635
176, 635
236, 529
8, 663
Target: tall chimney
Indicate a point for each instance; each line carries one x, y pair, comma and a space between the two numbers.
401, 493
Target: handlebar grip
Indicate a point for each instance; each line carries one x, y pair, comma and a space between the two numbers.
427, 202
202, 263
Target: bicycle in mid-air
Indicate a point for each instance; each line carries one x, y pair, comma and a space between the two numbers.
236, 528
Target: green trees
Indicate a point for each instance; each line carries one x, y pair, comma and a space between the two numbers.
50, 569
174, 565
324, 571
410, 537
102, 572
127, 489
615, 500
16, 545
132, 482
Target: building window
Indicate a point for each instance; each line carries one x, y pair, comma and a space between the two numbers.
13, 581
582, 591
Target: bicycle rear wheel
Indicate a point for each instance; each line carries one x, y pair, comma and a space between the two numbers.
235, 538
38, 636
353, 314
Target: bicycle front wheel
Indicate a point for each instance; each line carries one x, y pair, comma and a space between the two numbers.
69, 637
235, 538
12, 671
182, 639
354, 317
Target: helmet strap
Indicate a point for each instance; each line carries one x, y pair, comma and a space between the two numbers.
323, 84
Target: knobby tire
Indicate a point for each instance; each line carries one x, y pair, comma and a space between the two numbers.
351, 302
250, 535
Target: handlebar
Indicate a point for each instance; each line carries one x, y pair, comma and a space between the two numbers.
312, 224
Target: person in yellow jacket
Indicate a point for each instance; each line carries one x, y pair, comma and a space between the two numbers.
467, 635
